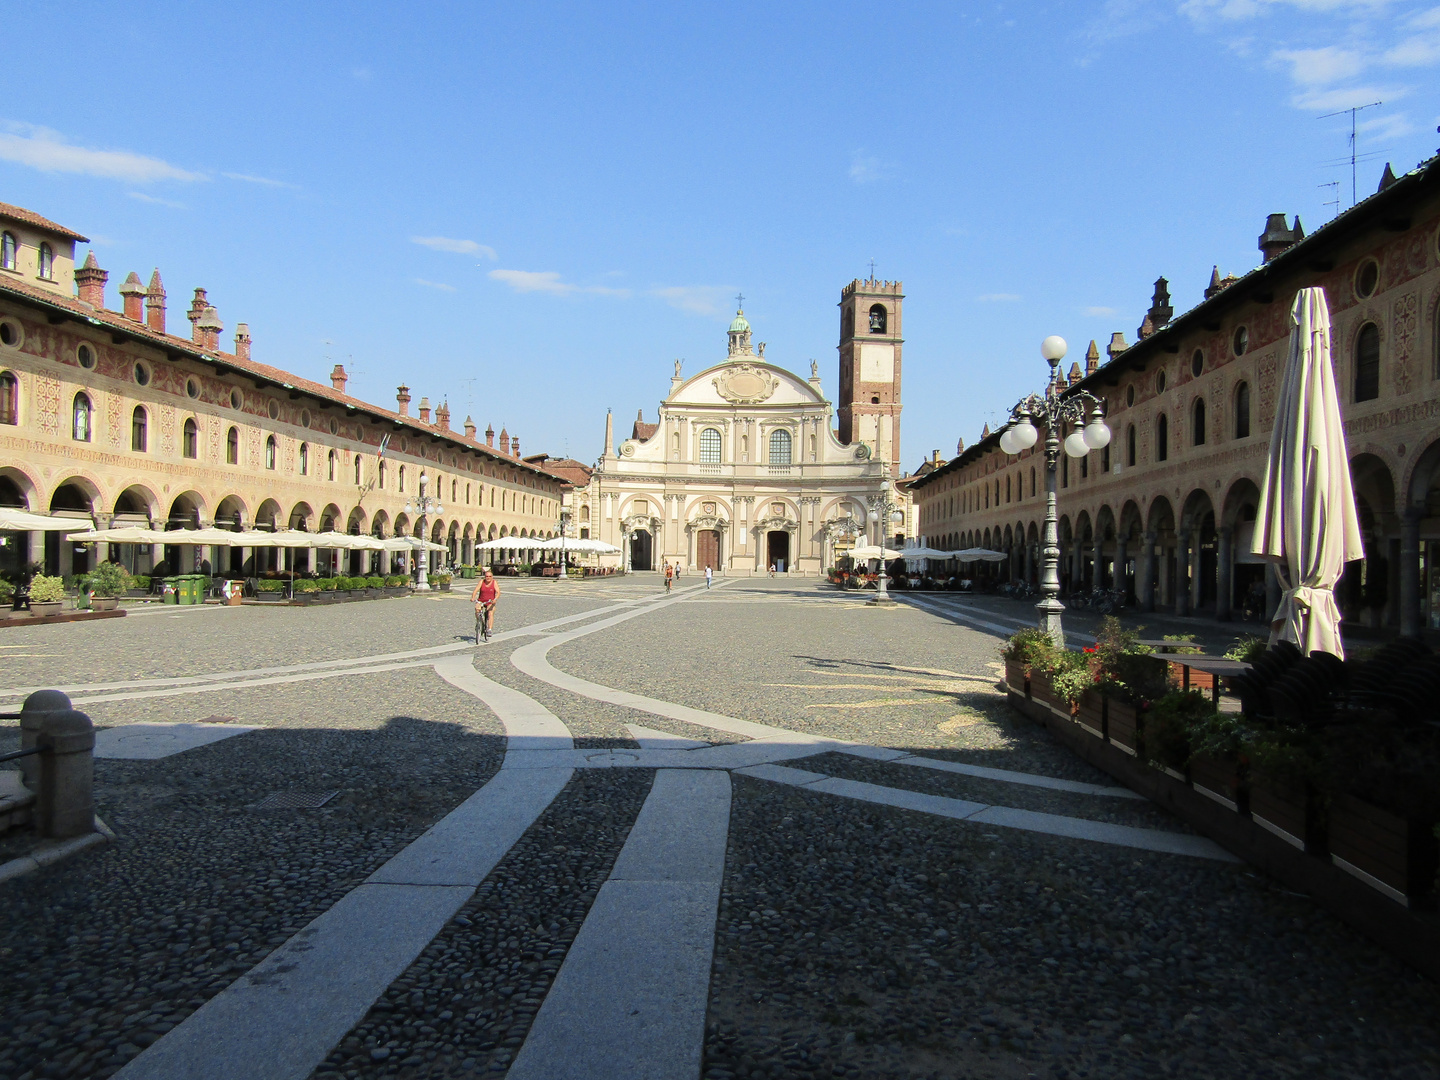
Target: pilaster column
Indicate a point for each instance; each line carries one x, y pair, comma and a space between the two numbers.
1181, 586
1223, 574
1410, 608
1099, 564
1077, 565
1030, 563
1145, 587
1196, 584
1121, 574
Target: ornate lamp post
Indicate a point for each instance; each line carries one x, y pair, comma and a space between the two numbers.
564, 531
883, 511
1084, 414
423, 505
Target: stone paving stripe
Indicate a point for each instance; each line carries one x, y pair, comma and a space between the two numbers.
629, 1001
981, 771
949, 611
147, 741
650, 739
528, 724
1004, 817
279, 1020
464, 846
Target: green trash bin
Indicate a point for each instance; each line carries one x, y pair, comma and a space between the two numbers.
196, 583
170, 590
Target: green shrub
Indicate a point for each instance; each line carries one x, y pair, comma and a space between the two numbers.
46, 590
109, 579
140, 581
307, 585
440, 579
7, 592
328, 584
1124, 668
1069, 672
396, 581
268, 585
374, 582
1247, 648
1191, 651
1027, 648
1175, 725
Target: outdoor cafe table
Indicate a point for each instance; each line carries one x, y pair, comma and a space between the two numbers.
1218, 666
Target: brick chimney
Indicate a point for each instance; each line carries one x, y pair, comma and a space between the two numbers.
338, 378
1161, 311
1075, 375
515, 445
489, 435
442, 416
155, 303
207, 329
242, 341
1117, 345
1092, 359
425, 410
402, 400
90, 281
132, 293
1214, 286
198, 304
504, 441
469, 428
1277, 236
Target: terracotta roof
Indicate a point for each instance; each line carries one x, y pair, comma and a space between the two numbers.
83, 312
576, 472
643, 431
29, 217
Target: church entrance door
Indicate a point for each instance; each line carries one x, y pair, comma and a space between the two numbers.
640, 550
707, 548
778, 550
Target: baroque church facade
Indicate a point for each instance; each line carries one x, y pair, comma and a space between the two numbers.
747, 468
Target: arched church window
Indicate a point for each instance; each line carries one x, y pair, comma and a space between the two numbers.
879, 318
710, 447
847, 321
780, 447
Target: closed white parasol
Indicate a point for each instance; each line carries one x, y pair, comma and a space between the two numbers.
1307, 524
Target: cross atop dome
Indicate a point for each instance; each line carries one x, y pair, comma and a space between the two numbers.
739, 330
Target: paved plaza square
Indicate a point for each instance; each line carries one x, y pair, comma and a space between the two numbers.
759, 830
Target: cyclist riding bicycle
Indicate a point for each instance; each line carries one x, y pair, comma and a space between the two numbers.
486, 593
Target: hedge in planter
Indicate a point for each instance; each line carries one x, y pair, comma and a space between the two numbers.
1021, 651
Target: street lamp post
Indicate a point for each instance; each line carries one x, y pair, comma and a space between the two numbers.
1084, 413
564, 530
883, 511
422, 505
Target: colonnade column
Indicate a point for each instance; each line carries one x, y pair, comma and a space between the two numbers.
1145, 589
1121, 575
1181, 587
1030, 563
1197, 585
1410, 571
1222, 575
1077, 565
1099, 571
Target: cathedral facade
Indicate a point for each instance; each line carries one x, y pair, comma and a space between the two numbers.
746, 469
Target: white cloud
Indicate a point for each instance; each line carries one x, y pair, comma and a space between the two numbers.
1099, 312
549, 281
1320, 67
153, 199
46, 150
998, 298
263, 181
457, 247
866, 169
694, 299
435, 285
1345, 98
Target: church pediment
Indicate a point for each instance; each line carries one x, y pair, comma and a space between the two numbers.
745, 384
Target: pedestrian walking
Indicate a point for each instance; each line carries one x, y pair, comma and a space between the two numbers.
669, 576
772, 569
709, 576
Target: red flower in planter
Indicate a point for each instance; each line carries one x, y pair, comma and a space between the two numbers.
1093, 648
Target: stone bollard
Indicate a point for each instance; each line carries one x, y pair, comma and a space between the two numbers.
65, 802
37, 707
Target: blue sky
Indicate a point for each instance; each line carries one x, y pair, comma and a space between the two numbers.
534, 209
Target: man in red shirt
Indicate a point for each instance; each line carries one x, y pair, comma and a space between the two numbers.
484, 597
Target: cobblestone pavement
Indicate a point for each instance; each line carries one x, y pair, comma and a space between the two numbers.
851, 939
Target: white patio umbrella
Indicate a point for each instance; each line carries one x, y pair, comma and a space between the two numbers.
24, 521
978, 555
511, 543
411, 543
576, 546
1307, 524
871, 551
920, 552
133, 534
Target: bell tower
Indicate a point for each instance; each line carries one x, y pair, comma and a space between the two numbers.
870, 342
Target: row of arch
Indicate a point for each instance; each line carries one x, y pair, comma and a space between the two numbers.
1192, 554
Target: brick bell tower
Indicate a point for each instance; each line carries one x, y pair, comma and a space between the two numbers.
870, 345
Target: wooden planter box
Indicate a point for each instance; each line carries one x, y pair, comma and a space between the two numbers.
1091, 712
1016, 679
1041, 691
1287, 812
1124, 725
1394, 855
1217, 778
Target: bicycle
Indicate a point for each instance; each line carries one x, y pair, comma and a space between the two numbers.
483, 630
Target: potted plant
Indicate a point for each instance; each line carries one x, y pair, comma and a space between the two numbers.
1217, 760
270, 589
399, 584
108, 582
1128, 677
1170, 728
139, 586
1021, 651
47, 595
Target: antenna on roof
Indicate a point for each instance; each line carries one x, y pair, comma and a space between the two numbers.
1352, 112
1335, 202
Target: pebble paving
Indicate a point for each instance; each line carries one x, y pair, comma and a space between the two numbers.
853, 940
